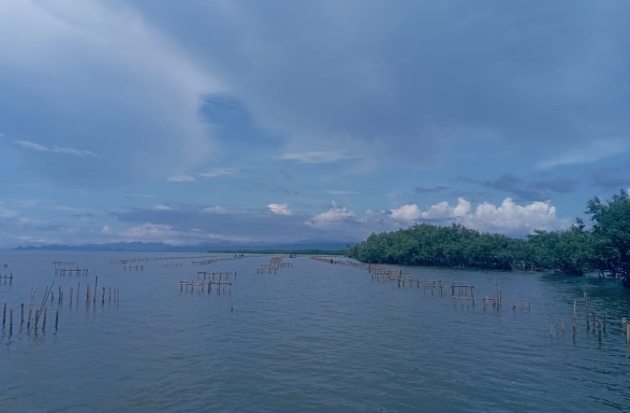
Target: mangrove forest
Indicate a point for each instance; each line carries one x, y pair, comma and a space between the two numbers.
602, 246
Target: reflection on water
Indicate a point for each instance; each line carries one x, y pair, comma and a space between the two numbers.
314, 337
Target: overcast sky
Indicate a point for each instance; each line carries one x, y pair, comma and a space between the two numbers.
279, 120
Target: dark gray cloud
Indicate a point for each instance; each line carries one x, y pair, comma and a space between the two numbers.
613, 178
540, 190
398, 79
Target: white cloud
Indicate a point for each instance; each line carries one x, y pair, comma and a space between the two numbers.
220, 210
587, 153
55, 149
333, 216
162, 207
280, 209
217, 172
6, 213
180, 178
409, 212
317, 156
507, 217
107, 230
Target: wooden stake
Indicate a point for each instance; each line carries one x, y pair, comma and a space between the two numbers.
45, 316
10, 321
22, 315
56, 320
4, 314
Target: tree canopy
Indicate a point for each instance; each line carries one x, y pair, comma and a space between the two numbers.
604, 247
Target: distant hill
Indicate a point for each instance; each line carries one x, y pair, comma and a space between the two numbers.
202, 247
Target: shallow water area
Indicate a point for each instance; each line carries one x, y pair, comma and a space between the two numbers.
313, 337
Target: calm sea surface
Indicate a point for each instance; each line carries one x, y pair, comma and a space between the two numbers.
312, 338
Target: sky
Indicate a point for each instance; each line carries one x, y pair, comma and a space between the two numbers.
279, 120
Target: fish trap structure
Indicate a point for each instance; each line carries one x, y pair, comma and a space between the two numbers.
204, 285
275, 265
173, 265
219, 275
62, 263
133, 268
71, 271
6, 278
125, 261
31, 315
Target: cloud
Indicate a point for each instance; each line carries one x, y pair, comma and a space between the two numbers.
531, 191
611, 178
142, 196
589, 153
317, 156
334, 216
274, 188
162, 207
280, 209
217, 172
55, 149
180, 178
107, 230
6, 213
506, 218
396, 85
340, 192
98, 74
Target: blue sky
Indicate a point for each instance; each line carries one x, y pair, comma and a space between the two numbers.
280, 121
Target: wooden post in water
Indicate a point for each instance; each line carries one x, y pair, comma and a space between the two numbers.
95, 290
4, 315
103, 299
551, 328
110, 294
78, 290
36, 319
44, 321
70, 296
57, 320
10, 321
22, 315
599, 330
586, 305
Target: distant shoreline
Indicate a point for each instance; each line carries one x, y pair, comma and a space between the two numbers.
280, 251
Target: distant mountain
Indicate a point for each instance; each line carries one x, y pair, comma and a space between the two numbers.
202, 247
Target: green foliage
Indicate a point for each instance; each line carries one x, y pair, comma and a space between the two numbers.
576, 251
611, 234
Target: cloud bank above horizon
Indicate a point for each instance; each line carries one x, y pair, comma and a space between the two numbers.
134, 120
